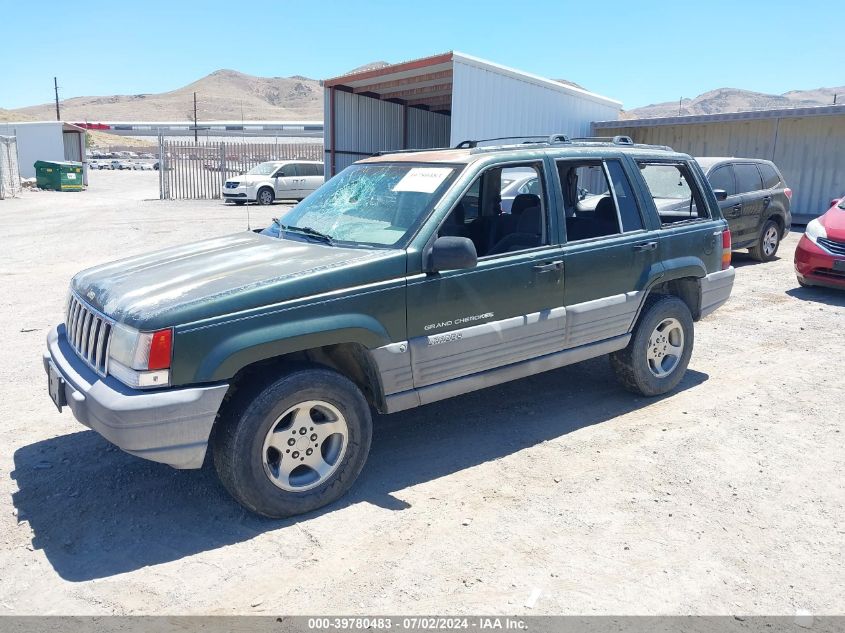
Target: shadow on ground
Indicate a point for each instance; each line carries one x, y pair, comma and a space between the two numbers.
817, 294
739, 259
96, 511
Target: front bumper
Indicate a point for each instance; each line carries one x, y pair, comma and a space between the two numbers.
170, 426
716, 289
814, 266
240, 192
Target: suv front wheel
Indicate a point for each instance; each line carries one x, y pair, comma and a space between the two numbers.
295, 446
656, 357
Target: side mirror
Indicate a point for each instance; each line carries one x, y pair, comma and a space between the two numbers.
720, 194
453, 253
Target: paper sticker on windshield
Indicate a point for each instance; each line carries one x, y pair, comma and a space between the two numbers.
423, 179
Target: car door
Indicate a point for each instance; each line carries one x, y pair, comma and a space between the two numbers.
749, 185
722, 177
285, 182
611, 249
507, 309
689, 244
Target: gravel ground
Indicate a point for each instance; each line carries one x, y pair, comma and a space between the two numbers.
559, 493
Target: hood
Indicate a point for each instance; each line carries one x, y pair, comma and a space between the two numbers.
227, 274
834, 223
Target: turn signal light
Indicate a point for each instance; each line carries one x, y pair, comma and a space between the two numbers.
788, 192
161, 348
726, 249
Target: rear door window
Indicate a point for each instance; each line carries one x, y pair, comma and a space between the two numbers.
771, 179
747, 178
723, 178
674, 191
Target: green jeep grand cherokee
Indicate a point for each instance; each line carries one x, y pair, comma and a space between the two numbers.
397, 283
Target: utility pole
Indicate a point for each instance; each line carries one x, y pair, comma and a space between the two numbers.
679, 105
195, 119
56, 89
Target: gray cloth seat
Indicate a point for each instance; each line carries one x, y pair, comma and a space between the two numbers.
528, 234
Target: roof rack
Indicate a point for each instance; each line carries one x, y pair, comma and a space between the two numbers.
543, 141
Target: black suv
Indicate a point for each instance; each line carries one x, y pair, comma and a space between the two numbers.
755, 202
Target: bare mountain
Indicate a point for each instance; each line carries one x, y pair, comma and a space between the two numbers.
222, 95
724, 100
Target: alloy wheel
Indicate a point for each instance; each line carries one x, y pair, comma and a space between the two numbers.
305, 446
665, 347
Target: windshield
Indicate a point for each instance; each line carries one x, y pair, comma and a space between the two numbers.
379, 204
264, 169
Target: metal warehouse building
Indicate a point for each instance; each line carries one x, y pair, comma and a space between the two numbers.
807, 144
445, 99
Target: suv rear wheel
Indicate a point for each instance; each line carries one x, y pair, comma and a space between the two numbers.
297, 445
767, 244
657, 356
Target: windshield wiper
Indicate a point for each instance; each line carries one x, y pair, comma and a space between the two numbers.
304, 230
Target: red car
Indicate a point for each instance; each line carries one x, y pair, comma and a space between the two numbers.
820, 256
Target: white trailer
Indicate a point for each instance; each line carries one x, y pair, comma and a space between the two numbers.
46, 140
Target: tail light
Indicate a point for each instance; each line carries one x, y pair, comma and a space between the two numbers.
726, 249
788, 193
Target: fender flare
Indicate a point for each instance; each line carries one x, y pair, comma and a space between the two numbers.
245, 347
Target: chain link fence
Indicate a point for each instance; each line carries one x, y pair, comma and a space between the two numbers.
10, 176
197, 171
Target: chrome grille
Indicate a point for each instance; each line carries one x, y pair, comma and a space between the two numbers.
88, 332
837, 248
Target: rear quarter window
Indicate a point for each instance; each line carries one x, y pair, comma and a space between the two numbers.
771, 178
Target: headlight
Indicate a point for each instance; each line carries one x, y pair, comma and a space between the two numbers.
140, 359
814, 231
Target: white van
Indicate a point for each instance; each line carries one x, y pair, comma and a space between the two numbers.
275, 180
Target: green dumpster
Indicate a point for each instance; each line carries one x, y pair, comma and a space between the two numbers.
58, 175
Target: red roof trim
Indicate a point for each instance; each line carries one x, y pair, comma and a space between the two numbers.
389, 70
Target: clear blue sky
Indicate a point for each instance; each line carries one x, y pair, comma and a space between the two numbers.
636, 51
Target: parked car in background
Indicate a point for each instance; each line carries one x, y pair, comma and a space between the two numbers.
820, 255
517, 181
756, 202
143, 166
275, 180
121, 164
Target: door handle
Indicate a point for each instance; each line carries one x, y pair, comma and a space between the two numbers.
646, 246
766, 201
549, 266
737, 209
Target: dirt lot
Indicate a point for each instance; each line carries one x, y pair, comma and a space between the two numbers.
559, 493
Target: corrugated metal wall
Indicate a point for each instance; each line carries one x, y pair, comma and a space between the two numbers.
365, 125
808, 150
489, 104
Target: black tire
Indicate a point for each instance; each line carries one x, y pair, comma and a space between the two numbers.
632, 365
238, 443
764, 250
265, 196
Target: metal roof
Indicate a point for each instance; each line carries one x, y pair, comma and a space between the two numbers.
428, 81
831, 110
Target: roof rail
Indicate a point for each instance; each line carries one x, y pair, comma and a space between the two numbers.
616, 140
541, 141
